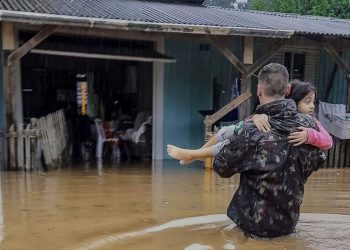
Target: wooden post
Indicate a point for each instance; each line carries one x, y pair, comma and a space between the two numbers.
348, 99
248, 55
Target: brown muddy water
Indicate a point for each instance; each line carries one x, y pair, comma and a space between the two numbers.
155, 205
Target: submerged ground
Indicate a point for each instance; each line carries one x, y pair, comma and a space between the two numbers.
155, 205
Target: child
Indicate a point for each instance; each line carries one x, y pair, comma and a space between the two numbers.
303, 93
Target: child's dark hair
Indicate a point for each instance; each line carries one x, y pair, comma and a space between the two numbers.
299, 90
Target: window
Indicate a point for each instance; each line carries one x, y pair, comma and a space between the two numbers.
295, 63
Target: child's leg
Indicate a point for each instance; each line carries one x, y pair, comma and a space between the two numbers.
215, 149
188, 155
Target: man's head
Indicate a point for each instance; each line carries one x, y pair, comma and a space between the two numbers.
273, 83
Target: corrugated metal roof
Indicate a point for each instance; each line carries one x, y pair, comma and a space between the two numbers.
160, 13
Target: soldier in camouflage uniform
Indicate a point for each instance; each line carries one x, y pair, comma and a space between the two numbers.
272, 171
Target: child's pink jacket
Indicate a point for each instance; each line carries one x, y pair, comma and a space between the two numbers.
321, 139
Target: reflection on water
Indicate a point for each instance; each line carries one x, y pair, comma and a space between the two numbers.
79, 206
314, 232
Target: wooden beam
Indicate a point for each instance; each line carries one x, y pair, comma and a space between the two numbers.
265, 57
226, 52
12, 60
96, 33
31, 43
210, 120
102, 56
334, 54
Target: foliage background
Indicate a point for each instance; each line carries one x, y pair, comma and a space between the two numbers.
330, 8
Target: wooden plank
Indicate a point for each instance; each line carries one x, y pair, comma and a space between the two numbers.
265, 58
228, 54
210, 120
334, 54
27, 133
102, 56
20, 147
31, 43
87, 31
51, 144
12, 149
337, 154
35, 160
347, 154
44, 141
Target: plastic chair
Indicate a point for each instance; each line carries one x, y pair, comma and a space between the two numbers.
101, 139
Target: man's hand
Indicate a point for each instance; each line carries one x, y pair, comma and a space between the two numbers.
261, 122
298, 138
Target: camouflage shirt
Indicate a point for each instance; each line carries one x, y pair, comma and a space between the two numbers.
273, 172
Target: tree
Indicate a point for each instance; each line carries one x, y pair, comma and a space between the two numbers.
331, 8
221, 3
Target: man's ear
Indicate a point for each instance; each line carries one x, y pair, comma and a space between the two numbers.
288, 90
259, 90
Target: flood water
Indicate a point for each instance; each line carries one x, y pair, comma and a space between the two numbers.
155, 205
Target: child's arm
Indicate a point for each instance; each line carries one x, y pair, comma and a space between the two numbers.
261, 121
320, 139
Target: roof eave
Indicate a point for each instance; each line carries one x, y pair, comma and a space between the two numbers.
126, 25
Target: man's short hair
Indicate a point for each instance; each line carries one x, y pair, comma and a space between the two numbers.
274, 77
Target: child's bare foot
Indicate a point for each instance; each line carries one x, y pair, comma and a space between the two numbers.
179, 153
183, 162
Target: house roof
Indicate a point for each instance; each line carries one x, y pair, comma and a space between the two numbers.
169, 17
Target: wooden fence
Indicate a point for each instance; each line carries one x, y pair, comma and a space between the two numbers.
45, 136
339, 155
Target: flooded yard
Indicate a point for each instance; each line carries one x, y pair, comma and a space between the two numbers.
155, 205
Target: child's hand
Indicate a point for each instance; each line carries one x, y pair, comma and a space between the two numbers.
298, 138
261, 121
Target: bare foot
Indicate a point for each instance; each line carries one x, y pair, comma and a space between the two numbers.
179, 153
183, 162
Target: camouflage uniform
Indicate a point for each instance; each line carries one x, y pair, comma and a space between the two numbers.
273, 172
